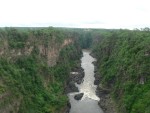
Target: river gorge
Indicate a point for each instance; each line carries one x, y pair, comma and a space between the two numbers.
89, 101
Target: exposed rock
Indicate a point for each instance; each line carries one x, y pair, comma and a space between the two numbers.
94, 63
79, 81
93, 55
68, 107
101, 91
71, 87
97, 79
78, 96
76, 76
106, 103
142, 80
96, 82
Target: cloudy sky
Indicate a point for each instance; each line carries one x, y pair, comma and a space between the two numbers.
76, 13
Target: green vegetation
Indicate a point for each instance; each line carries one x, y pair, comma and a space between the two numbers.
26, 80
124, 65
85, 39
35, 64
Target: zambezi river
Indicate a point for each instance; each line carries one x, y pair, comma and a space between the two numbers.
89, 101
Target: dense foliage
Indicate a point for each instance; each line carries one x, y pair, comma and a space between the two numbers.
85, 39
124, 65
27, 83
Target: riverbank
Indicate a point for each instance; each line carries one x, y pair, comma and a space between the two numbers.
76, 77
106, 102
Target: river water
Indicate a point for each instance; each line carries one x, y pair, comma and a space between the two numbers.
89, 101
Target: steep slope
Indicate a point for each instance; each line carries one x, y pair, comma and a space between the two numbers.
124, 68
34, 66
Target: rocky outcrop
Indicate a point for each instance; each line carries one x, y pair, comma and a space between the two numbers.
101, 91
49, 50
8, 103
52, 52
76, 76
107, 104
78, 96
71, 87
96, 75
67, 108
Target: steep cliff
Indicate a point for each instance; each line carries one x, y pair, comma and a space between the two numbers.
16, 43
32, 72
124, 68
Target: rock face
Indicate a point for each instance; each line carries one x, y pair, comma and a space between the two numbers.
52, 52
67, 109
71, 87
49, 51
106, 102
76, 76
78, 96
102, 91
97, 80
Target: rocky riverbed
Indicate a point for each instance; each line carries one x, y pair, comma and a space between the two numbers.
86, 100
76, 77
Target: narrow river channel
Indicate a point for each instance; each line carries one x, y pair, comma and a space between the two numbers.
89, 101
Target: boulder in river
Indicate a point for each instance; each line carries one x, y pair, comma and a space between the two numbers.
78, 96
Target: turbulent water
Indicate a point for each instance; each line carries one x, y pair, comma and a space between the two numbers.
89, 102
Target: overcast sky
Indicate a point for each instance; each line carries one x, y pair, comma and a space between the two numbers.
76, 13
